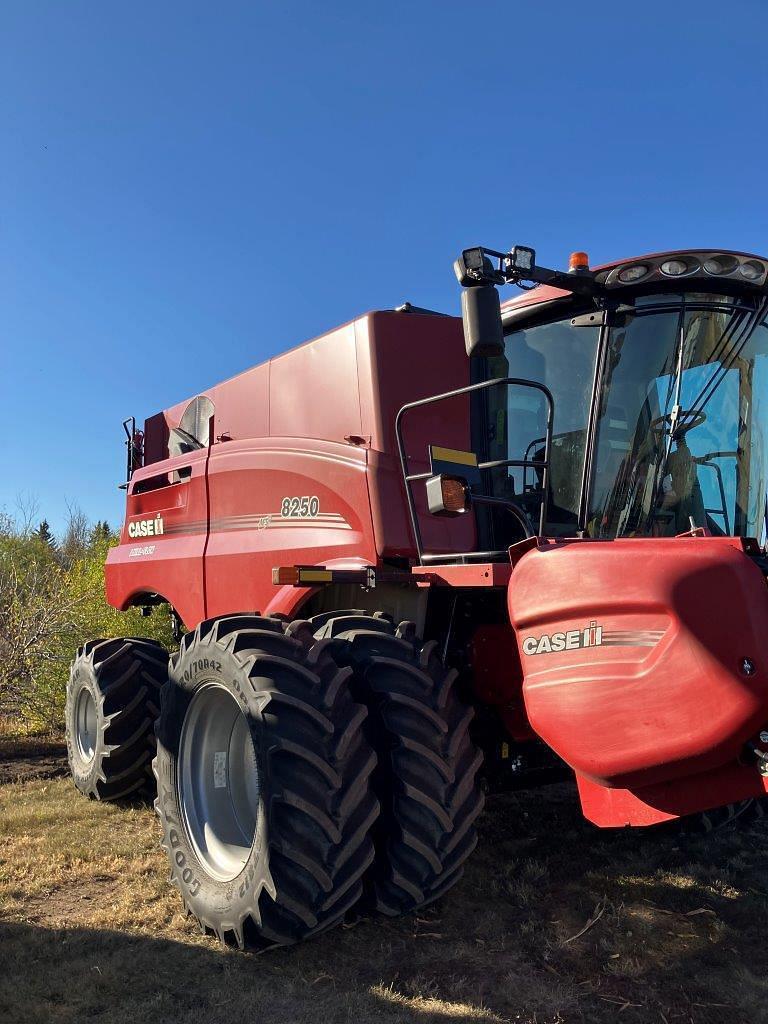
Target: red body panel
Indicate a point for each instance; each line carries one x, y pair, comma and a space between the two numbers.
247, 482
664, 801
661, 691
315, 422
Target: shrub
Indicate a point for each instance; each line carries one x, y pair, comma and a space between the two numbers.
51, 601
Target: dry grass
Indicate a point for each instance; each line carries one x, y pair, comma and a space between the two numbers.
14, 728
91, 931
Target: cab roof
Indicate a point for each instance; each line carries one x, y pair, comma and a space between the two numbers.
546, 293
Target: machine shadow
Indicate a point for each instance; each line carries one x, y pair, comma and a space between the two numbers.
660, 924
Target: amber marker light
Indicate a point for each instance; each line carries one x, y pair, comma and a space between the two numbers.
447, 495
454, 494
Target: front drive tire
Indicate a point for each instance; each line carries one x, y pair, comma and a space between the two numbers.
112, 703
426, 777
263, 782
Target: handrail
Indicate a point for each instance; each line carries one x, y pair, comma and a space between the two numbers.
544, 465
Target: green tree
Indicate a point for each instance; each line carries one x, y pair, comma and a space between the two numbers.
44, 535
100, 532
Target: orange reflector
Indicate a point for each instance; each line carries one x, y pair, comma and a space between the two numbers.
578, 261
307, 575
285, 575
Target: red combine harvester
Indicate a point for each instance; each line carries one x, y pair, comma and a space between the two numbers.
413, 566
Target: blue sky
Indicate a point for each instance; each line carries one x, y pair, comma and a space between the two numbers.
189, 188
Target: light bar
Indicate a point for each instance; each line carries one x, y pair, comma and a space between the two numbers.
683, 265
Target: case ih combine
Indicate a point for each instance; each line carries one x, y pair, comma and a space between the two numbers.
412, 566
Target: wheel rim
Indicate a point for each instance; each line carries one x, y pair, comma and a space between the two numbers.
218, 781
86, 725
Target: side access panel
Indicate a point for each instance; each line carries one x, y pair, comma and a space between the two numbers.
163, 537
282, 501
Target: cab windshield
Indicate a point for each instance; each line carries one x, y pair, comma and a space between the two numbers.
675, 437
682, 420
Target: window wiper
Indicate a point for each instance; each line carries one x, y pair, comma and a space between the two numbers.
672, 416
677, 410
746, 328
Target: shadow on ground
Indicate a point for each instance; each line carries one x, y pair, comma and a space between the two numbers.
553, 922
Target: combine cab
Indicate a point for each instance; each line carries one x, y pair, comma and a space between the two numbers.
409, 563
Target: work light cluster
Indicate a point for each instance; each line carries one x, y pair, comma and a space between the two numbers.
739, 268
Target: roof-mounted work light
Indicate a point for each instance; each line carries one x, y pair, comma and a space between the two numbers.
474, 267
479, 270
521, 259
487, 266
689, 265
474, 259
481, 266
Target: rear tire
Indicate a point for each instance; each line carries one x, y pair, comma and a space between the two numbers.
112, 704
426, 778
263, 774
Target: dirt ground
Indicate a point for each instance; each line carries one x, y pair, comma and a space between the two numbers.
24, 759
553, 922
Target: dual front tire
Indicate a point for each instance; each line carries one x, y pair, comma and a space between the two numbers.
301, 769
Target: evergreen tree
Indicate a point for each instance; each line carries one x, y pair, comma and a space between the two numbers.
100, 532
44, 535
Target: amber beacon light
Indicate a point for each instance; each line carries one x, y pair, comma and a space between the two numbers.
578, 261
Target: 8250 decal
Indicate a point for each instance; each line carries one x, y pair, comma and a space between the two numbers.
300, 508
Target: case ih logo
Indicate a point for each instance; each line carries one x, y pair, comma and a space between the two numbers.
146, 527
592, 636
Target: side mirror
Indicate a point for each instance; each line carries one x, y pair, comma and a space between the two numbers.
481, 314
448, 495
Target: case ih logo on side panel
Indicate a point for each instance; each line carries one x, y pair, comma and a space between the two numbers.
592, 636
153, 527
